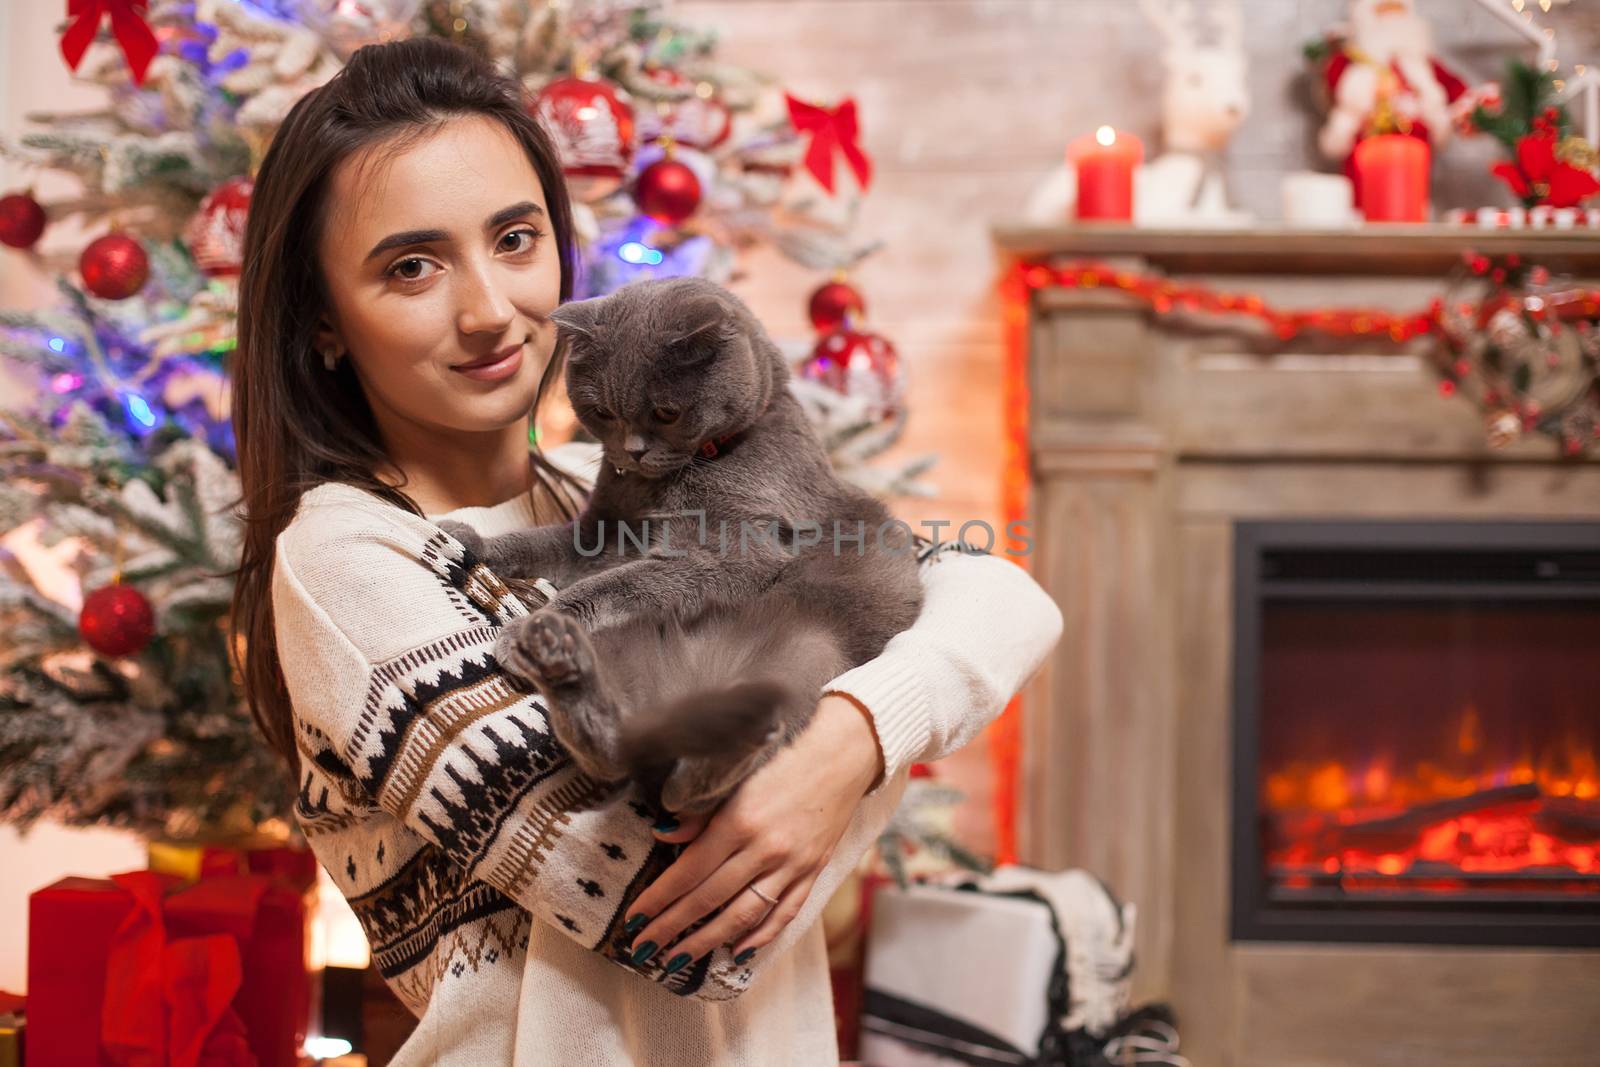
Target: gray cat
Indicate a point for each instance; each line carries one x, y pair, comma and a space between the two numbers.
719, 575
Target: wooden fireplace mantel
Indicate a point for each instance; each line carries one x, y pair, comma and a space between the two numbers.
1426, 249
1149, 437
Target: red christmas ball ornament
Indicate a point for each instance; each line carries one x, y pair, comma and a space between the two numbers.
21, 220
592, 124
216, 233
117, 620
114, 267
830, 304
697, 121
667, 191
860, 364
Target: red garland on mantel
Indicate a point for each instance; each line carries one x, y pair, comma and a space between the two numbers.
1164, 297
1004, 735
1454, 324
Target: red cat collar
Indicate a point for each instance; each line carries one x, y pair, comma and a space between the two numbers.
713, 449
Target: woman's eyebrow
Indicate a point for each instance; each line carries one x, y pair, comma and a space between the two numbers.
515, 211
422, 237
406, 237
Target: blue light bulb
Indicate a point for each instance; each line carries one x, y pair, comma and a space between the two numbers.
634, 252
140, 410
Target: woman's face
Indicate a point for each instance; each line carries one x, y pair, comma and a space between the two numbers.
442, 271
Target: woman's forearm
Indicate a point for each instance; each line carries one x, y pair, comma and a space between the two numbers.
844, 736
986, 626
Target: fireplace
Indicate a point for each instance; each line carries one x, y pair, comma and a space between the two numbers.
1417, 733
1299, 565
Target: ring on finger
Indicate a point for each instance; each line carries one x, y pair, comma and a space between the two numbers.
757, 891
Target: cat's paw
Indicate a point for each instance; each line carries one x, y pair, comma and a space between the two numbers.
470, 539
556, 647
510, 651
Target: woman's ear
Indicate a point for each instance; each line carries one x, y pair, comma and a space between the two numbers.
328, 343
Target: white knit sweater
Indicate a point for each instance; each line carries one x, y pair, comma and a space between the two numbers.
434, 795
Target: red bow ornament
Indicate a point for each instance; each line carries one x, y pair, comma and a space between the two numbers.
831, 130
168, 999
127, 26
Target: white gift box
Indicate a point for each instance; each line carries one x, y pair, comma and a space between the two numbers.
996, 975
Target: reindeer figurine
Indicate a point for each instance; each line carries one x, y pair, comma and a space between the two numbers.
1203, 103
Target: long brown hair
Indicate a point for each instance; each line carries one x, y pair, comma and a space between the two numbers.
296, 424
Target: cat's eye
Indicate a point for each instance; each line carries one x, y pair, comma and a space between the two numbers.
667, 415
604, 414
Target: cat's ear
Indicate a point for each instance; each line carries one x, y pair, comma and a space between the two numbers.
699, 320
579, 316
578, 319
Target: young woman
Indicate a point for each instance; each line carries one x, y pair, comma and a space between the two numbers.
408, 238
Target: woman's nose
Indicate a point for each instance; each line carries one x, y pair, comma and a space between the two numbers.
483, 306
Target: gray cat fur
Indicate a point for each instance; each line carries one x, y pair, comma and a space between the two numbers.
688, 672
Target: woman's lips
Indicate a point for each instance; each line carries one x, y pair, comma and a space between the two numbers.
503, 364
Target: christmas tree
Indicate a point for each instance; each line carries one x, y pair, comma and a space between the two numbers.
125, 710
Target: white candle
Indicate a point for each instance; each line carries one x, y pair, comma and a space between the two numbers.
1325, 201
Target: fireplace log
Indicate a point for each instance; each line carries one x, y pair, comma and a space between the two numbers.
1399, 832
1569, 818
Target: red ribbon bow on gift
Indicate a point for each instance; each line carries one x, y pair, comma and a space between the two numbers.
127, 26
168, 999
830, 130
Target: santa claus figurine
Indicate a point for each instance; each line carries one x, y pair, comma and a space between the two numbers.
1382, 77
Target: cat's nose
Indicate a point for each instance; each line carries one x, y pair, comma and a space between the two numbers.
636, 452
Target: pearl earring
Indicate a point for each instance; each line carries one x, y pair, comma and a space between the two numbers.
330, 358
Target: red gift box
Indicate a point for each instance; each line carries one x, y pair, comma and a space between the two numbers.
146, 971
192, 862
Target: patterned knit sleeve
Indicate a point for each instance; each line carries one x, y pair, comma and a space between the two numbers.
985, 627
386, 628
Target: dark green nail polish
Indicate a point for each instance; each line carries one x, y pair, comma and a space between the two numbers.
678, 962
745, 957
666, 824
635, 922
644, 951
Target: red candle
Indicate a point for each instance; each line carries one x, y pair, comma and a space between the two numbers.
1392, 177
1105, 163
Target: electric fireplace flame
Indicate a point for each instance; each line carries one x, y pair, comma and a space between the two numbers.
1416, 733
1457, 824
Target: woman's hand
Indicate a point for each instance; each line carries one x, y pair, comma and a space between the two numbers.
777, 831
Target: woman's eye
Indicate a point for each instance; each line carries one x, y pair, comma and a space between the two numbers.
665, 415
412, 269
521, 240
